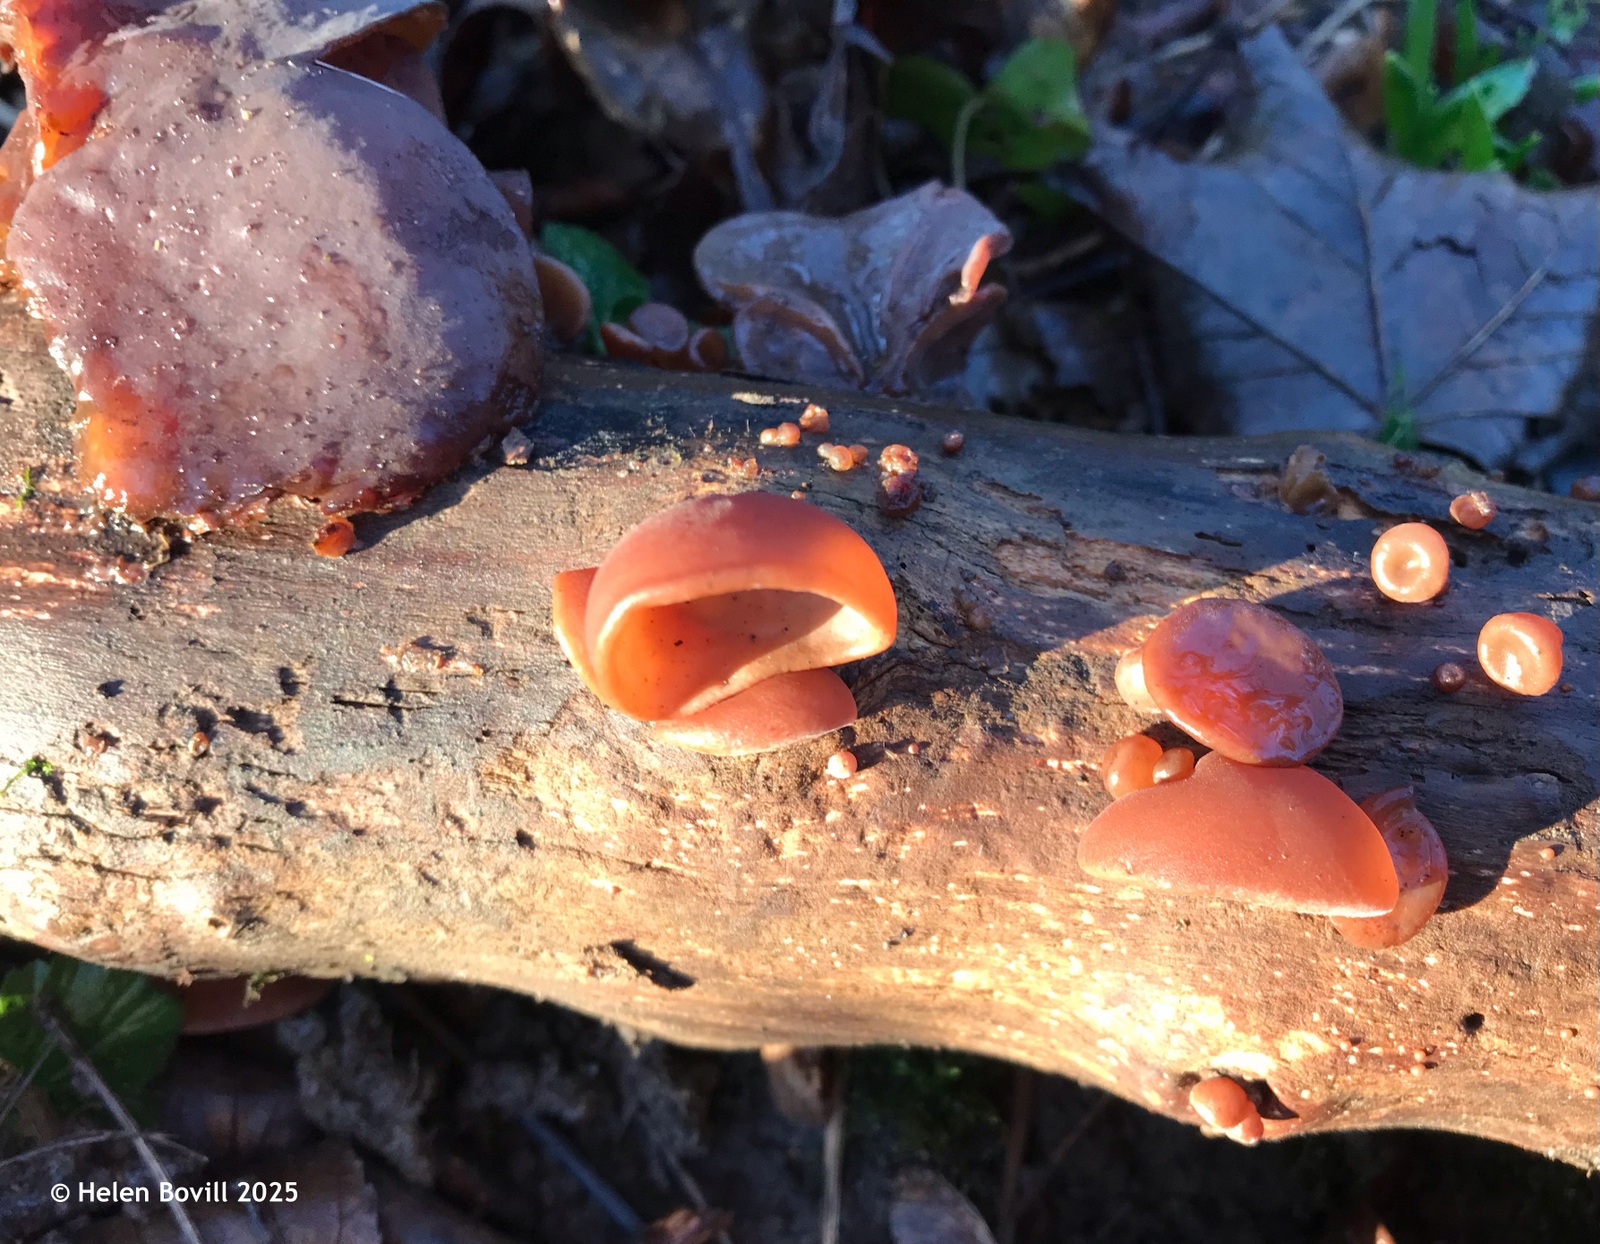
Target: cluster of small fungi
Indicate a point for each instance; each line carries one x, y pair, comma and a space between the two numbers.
1251, 822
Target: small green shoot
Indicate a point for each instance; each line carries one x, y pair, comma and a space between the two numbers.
28, 490
616, 287
1028, 117
1564, 19
1586, 90
37, 767
123, 1023
1434, 127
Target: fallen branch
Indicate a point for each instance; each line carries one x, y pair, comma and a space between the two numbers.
265, 760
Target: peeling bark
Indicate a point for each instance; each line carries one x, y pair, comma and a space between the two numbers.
402, 778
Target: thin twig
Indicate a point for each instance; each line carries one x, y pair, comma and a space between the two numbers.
832, 1176
1331, 25
1059, 1153
1055, 257
93, 1138
90, 1075
21, 1086
1023, 1083
1489, 329
958, 141
603, 1194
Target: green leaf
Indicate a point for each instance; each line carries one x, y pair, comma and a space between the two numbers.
1046, 202
929, 92
616, 287
1422, 29
1035, 99
1586, 89
124, 1024
1408, 107
1565, 18
1472, 136
1502, 88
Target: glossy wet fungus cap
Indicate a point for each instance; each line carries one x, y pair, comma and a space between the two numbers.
1241, 680
1420, 867
702, 604
1222, 1104
1521, 652
1129, 765
1130, 682
226, 1004
1174, 764
1279, 837
1473, 510
1410, 563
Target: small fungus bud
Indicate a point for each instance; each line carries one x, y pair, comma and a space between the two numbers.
1222, 1104
337, 537
838, 457
1448, 677
230, 1003
1419, 865
199, 743
664, 327
860, 453
953, 442
1473, 510
784, 434
897, 460
841, 765
744, 468
1175, 764
708, 350
1244, 681
1410, 563
564, 297
899, 495
1130, 682
814, 418
1129, 765
1585, 489
1304, 486
1521, 652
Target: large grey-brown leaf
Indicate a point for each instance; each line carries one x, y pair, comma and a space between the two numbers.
1324, 285
888, 298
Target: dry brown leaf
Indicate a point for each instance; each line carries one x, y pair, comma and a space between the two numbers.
1323, 285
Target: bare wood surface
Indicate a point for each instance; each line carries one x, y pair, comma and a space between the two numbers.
401, 777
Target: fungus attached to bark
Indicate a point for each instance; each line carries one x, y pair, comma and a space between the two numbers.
814, 418
1473, 510
266, 275
1129, 765
1223, 1105
838, 457
228, 1004
1130, 682
1173, 765
785, 434
1419, 865
952, 442
1240, 679
888, 298
1410, 563
1284, 838
1448, 677
718, 618
1521, 652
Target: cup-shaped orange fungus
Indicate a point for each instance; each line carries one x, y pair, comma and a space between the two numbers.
1419, 864
1130, 682
226, 1004
1286, 838
1521, 652
1243, 681
1410, 563
1222, 1103
718, 618
1473, 510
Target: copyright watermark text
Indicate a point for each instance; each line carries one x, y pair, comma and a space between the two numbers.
215, 1192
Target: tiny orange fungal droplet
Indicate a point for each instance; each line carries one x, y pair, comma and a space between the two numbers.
900, 494
1410, 563
1448, 677
953, 442
814, 418
897, 459
1175, 764
860, 453
1129, 765
1473, 510
1222, 1103
337, 537
1521, 652
842, 765
785, 434
838, 457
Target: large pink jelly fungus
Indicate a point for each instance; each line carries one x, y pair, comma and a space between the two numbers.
1283, 837
1419, 864
717, 618
1243, 681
